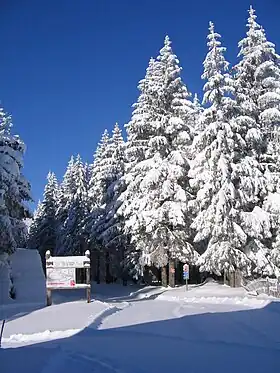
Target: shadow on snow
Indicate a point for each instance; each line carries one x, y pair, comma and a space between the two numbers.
235, 341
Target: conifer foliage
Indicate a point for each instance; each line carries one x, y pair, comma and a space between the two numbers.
14, 188
154, 205
43, 230
213, 169
195, 182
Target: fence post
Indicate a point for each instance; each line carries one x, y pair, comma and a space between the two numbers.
267, 286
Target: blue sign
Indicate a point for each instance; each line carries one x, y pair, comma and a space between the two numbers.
186, 275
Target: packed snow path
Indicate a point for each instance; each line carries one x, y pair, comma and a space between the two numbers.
146, 333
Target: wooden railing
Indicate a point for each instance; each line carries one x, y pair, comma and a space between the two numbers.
267, 286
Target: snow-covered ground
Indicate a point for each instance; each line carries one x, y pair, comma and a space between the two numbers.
210, 328
124, 329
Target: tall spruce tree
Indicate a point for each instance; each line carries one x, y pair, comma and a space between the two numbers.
213, 170
99, 182
43, 230
64, 198
155, 200
257, 94
73, 238
109, 229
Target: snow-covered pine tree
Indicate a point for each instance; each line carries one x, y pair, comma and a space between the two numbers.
102, 177
257, 94
212, 171
257, 84
138, 131
43, 230
99, 171
154, 204
138, 128
99, 181
14, 188
33, 231
198, 110
109, 227
73, 237
64, 198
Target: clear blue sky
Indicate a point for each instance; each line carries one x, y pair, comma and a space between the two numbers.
70, 68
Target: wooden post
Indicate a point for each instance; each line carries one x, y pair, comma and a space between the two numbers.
164, 276
49, 297
2, 331
172, 273
88, 290
267, 286
49, 292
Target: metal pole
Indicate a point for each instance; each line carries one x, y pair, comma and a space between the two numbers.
1, 333
187, 287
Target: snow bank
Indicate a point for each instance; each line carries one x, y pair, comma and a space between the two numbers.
28, 276
47, 335
214, 293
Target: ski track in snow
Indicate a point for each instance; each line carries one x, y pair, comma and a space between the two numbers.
65, 361
108, 312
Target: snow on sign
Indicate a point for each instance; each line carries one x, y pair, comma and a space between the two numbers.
61, 273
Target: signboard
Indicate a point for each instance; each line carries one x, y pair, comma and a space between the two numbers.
61, 278
61, 273
186, 275
68, 262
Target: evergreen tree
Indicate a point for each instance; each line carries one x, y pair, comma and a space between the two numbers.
99, 182
73, 238
213, 171
43, 231
155, 200
64, 198
99, 171
109, 227
139, 129
198, 110
257, 83
257, 93
33, 241
14, 188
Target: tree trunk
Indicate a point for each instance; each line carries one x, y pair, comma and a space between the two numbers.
107, 268
98, 267
172, 273
102, 267
164, 276
225, 277
232, 279
238, 278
